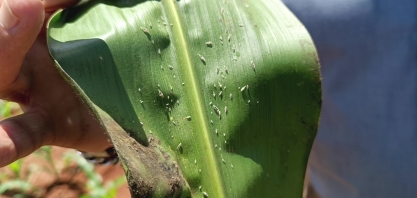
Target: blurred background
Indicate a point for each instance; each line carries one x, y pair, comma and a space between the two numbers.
53, 172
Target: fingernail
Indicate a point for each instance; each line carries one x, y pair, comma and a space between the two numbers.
7, 19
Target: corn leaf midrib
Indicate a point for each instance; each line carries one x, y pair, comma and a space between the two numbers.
172, 13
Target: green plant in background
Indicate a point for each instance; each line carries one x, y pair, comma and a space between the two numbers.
20, 186
95, 185
18, 181
45, 153
6, 109
200, 98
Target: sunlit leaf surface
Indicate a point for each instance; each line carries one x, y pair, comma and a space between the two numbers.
222, 95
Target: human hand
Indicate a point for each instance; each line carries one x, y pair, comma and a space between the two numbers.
53, 113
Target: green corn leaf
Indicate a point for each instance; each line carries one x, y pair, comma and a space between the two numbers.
217, 98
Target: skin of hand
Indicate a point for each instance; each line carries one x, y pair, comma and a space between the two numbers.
53, 113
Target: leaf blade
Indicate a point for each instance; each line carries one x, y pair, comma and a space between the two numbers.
172, 12
275, 71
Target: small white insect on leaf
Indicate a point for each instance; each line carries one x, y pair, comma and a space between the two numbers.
217, 110
253, 65
145, 30
179, 146
202, 58
205, 194
160, 93
188, 118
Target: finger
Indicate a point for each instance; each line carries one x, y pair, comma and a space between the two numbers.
22, 135
20, 23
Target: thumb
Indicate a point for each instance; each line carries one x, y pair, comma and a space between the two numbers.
21, 135
20, 24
